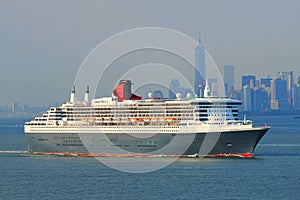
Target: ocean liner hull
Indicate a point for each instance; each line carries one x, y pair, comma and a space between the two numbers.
239, 143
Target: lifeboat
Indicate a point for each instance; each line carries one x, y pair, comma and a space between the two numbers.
170, 119
88, 119
134, 119
147, 119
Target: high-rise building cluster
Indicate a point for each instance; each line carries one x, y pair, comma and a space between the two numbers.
270, 94
281, 93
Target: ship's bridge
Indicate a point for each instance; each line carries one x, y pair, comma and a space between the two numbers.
216, 110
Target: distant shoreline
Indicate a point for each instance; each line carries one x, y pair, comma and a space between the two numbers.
18, 116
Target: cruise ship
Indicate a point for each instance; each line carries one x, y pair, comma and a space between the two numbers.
127, 125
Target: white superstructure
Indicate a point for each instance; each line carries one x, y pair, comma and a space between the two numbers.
200, 114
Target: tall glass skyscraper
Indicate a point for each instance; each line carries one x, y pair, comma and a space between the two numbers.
200, 70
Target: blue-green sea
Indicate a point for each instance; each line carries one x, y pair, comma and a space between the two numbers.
274, 172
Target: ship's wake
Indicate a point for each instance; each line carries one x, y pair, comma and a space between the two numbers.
13, 152
11, 125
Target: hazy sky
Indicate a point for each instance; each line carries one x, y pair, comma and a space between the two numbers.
43, 43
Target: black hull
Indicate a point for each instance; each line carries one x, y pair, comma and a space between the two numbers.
232, 143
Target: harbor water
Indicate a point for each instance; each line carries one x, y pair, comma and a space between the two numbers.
273, 173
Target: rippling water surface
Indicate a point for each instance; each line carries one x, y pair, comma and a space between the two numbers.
274, 173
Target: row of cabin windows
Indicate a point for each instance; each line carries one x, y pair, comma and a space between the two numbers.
54, 118
126, 117
55, 113
128, 111
133, 115
148, 111
206, 115
37, 124
213, 111
127, 108
216, 103
217, 107
43, 119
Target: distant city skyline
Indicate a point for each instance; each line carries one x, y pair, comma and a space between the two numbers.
280, 93
250, 81
44, 43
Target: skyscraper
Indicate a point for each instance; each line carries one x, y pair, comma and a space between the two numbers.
279, 95
284, 74
247, 98
228, 79
297, 97
15, 107
289, 77
200, 70
249, 80
266, 81
261, 100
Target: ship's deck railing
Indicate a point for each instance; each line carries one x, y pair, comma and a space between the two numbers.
230, 123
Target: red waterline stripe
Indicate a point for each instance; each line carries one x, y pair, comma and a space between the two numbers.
242, 155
